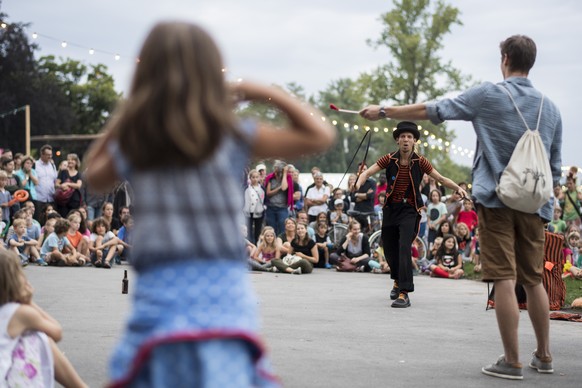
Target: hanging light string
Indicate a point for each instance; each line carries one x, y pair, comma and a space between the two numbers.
66, 43
12, 112
431, 141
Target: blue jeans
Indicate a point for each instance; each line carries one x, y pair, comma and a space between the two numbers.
276, 218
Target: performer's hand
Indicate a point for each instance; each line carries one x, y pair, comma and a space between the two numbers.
463, 194
371, 112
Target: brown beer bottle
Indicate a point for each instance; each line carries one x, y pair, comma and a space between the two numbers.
124, 283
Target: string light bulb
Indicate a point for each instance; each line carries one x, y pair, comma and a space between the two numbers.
3, 25
34, 35
91, 51
117, 57
63, 44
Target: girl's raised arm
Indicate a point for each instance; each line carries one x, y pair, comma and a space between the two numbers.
307, 132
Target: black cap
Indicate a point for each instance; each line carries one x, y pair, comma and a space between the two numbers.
406, 126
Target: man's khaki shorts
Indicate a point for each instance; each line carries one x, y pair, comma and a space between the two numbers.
512, 245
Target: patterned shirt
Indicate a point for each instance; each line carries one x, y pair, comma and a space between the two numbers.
499, 128
180, 213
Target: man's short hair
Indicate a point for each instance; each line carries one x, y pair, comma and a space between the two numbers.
521, 52
45, 147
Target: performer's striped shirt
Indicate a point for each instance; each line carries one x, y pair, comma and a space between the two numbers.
403, 178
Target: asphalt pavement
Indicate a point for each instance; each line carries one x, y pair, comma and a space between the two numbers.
328, 329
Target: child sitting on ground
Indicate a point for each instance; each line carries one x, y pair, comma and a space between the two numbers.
23, 245
57, 250
449, 263
125, 237
571, 252
75, 237
30, 356
323, 243
463, 235
103, 245
266, 251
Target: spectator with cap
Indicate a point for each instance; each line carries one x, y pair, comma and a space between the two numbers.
262, 170
337, 216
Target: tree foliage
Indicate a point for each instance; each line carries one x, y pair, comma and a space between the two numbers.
65, 96
413, 34
89, 89
20, 85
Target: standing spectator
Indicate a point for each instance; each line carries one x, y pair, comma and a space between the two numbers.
437, 213
298, 198
557, 222
69, 179
316, 197
363, 197
454, 205
93, 199
5, 198
262, 170
430, 186
254, 206
47, 175
28, 177
18, 161
571, 202
13, 182
468, 215
511, 242
279, 195
381, 187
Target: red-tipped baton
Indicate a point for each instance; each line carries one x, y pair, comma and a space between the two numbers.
332, 106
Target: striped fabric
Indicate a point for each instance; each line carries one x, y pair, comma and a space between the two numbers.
180, 212
403, 178
499, 128
553, 282
552, 277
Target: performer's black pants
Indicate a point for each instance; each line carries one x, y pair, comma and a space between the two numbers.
399, 228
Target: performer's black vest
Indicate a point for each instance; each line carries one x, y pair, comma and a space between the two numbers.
416, 175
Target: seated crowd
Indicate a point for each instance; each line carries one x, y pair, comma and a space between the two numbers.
48, 217
448, 235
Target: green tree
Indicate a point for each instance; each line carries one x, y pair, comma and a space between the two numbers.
413, 34
21, 84
90, 91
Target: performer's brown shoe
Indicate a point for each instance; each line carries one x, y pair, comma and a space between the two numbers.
402, 301
395, 291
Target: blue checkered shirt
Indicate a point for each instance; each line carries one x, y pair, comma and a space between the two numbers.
189, 213
499, 128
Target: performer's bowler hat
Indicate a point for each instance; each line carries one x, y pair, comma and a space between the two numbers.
406, 126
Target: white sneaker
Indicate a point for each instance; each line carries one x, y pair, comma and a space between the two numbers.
297, 271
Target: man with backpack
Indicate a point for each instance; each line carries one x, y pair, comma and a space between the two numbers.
512, 241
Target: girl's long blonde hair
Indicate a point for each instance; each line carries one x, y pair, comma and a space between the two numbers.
263, 243
11, 276
178, 109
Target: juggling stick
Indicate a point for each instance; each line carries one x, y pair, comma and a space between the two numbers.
332, 106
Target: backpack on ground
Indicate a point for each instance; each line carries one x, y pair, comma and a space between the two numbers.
526, 183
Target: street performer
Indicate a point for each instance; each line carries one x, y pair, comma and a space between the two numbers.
401, 212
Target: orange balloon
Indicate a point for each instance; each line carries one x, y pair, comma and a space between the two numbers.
21, 195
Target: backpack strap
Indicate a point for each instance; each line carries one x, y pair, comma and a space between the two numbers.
519, 112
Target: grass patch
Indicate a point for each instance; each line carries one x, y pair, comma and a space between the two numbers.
573, 286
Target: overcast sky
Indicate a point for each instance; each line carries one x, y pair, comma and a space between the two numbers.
313, 42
